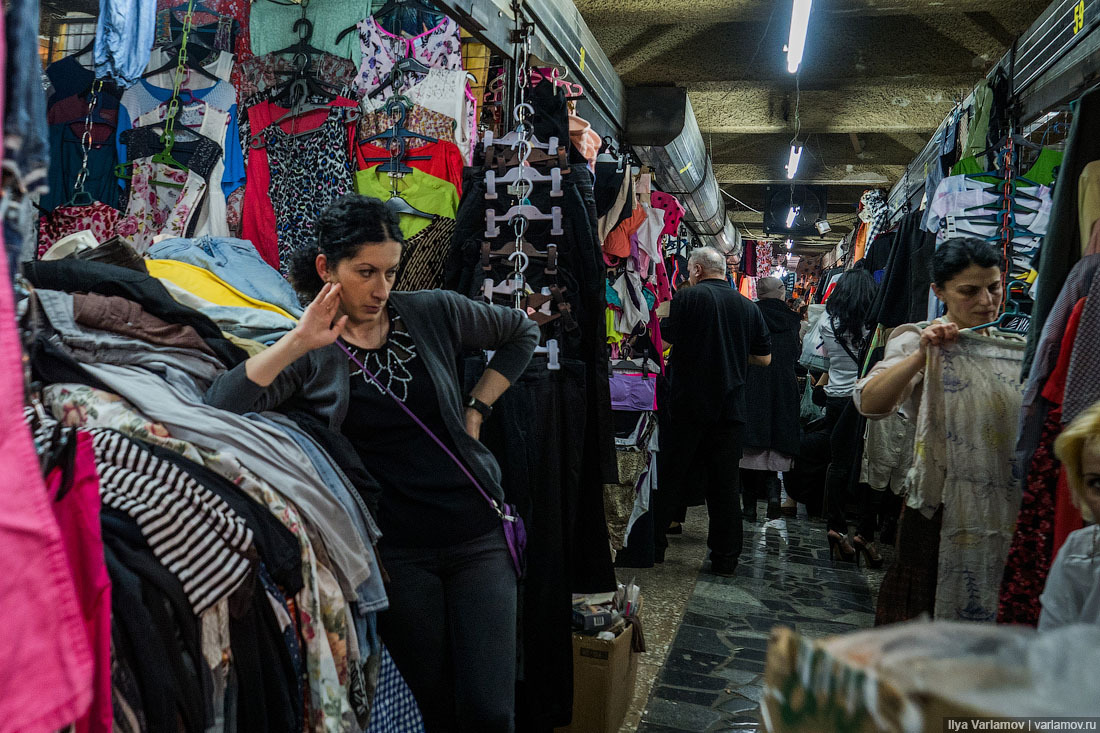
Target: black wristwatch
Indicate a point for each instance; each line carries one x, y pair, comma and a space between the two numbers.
476, 404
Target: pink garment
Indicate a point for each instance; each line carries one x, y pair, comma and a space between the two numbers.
674, 211
77, 514
258, 213
655, 337
664, 288
46, 677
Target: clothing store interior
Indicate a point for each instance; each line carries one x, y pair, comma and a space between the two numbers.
385, 366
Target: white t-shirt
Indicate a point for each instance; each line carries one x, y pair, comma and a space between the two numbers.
1072, 593
843, 369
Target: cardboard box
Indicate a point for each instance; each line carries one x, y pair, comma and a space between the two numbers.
604, 673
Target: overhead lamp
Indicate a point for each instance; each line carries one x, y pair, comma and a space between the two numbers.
792, 215
800, 24
823, 227
790, 244
792, 162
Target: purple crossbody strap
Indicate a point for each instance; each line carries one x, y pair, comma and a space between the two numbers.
458, 462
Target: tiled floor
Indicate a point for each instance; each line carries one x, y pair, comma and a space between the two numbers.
712, 678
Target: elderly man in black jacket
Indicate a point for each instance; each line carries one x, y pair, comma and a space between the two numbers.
716, 333
771, 399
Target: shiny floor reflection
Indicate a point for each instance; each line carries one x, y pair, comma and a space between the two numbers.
713, 677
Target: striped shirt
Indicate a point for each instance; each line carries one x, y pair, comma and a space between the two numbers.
191, 531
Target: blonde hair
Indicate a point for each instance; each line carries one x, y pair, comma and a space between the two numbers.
1070, 448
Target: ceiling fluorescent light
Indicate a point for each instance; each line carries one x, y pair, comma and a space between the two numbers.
792, 162
792, 215
800, 23
790, 244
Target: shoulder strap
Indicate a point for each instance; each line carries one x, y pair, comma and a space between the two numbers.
841, 342
457, 461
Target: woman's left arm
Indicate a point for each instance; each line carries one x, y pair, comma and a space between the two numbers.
507, 332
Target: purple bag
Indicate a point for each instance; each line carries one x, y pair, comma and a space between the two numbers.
515, 533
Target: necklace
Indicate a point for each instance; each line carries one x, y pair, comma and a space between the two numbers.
389, 364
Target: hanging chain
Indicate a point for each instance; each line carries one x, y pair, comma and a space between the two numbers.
521, 113
86, 138
169, 136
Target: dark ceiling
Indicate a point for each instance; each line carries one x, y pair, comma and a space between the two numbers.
877, 78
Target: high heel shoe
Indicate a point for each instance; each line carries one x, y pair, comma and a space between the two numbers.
840, 548
869, 551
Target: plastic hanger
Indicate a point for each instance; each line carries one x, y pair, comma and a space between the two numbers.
1011, 320
397, 75
302, 46
525, 173
192, 63
524, 211
398, 106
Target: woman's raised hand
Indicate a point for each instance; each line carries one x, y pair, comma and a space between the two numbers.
938, 334
319, 325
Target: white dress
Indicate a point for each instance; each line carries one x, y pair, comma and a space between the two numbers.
966, 407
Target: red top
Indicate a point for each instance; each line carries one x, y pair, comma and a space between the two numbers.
444, 159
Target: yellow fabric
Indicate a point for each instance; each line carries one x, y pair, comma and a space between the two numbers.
613, 336
207, 286
1088, 201
422, 190
252, 348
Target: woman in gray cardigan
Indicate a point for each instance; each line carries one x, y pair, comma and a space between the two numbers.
451, 624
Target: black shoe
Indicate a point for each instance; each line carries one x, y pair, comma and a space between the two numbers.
775, 509
726, 567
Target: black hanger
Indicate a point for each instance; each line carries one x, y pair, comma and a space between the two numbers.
398, 106
194, 64
397, 75
302, 85
302, 46
394, 5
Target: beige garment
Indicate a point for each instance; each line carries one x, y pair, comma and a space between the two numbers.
1088, 201
903, 343
250, 347
966, 422
888, 453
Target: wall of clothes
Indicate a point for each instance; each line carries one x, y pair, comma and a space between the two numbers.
198, 570
1029, 190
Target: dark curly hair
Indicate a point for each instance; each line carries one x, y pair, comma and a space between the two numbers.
955, 255
346, 225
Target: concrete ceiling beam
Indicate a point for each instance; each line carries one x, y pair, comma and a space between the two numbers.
614, 12
915, 105
833, 175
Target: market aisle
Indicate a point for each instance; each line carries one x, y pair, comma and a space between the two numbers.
712, 678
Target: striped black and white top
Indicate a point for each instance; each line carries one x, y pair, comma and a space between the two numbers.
191, 530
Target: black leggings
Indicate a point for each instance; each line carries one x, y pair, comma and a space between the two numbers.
841, 487
451, 629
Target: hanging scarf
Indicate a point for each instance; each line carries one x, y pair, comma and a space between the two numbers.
875, 211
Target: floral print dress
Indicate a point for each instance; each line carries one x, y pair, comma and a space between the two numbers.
440, 47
